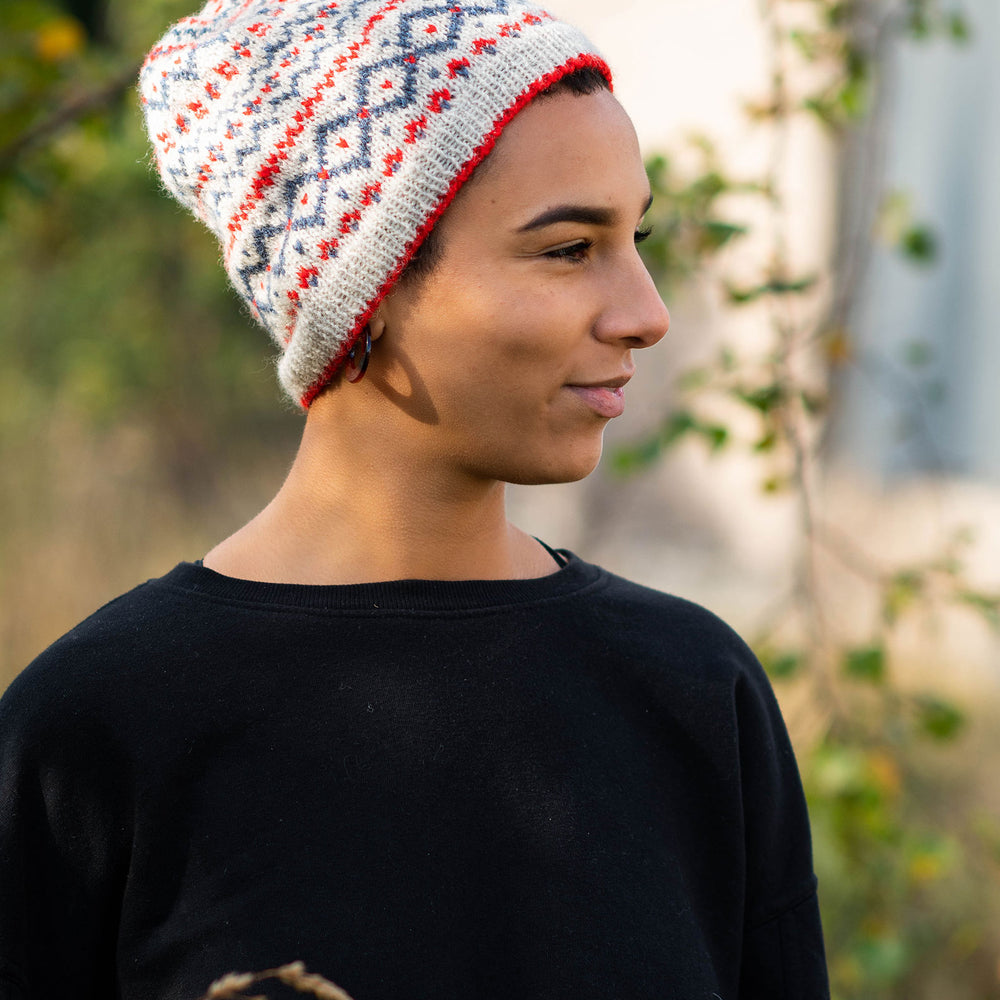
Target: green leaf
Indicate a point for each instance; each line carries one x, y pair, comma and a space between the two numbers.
929, 858
919, 244
682, 422
939, 719
824, 110
677, 424
765, 399
717, 234
838, 14
775, 484
807, 42
716, 435
904, 588
837, 771
959, 27
883, 957
988, 605
656, 166
742, 296
697, 378
767, 443
628, 461
814, 403
918, 353
776, 286
710, 186
920, 25
783, 666
866, 664
631, 459
854, 97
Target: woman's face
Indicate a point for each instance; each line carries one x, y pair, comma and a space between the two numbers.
508, 360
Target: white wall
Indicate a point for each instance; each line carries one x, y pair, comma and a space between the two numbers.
944, 149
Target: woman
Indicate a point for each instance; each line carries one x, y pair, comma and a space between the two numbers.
379, 729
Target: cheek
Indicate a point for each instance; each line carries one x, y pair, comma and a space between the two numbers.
530, 329
493, 345
496, 340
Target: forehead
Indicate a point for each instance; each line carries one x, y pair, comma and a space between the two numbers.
564, 147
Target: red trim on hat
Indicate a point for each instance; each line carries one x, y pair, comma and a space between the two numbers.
482, 151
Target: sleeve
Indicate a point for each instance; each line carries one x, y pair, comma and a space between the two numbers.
783, 954
62, 858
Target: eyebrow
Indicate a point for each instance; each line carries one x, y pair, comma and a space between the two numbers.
585, 214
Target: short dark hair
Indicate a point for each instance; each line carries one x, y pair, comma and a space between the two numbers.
587, 80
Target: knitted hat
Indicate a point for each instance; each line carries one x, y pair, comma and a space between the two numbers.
320, 141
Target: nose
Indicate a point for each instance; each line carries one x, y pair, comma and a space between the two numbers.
634, 313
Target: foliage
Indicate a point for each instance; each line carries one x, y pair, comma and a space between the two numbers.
891, 862
688, 225
114, 301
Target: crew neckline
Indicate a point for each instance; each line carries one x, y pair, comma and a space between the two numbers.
387, 595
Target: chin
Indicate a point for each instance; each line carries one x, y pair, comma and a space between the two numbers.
567, 466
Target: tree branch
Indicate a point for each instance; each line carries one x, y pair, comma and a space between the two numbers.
72, 111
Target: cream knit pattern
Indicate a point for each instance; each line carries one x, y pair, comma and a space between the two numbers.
320, 141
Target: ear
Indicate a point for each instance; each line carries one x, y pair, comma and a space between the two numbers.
377, 323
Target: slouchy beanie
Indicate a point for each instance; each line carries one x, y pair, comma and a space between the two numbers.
321, 141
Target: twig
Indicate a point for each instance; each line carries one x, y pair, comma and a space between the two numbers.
233, 986
66, 115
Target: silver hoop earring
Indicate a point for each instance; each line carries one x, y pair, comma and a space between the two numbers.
363, 367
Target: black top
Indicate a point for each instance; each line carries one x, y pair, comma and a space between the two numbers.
571, 786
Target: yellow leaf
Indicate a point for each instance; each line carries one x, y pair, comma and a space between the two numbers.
839, 349
60, 39
926, 868
884, 771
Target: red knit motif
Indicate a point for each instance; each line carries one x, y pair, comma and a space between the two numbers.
349, 222
370, 193
439, 101
392, 162
308, 276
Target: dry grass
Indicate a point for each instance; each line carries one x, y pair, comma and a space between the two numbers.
234, 985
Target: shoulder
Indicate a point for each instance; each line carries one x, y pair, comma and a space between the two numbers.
643, 621
691, 664
84, 669
713, 688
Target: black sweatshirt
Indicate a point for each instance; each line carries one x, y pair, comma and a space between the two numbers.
571, 786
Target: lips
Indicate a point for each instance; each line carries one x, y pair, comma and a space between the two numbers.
605, 398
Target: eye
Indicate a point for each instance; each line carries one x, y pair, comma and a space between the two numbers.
572, 252
643, 234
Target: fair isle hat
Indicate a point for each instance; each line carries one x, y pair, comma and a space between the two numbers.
320, 141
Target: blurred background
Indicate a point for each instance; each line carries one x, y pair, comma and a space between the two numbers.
812, 452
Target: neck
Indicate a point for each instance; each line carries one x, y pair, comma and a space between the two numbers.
355, 510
